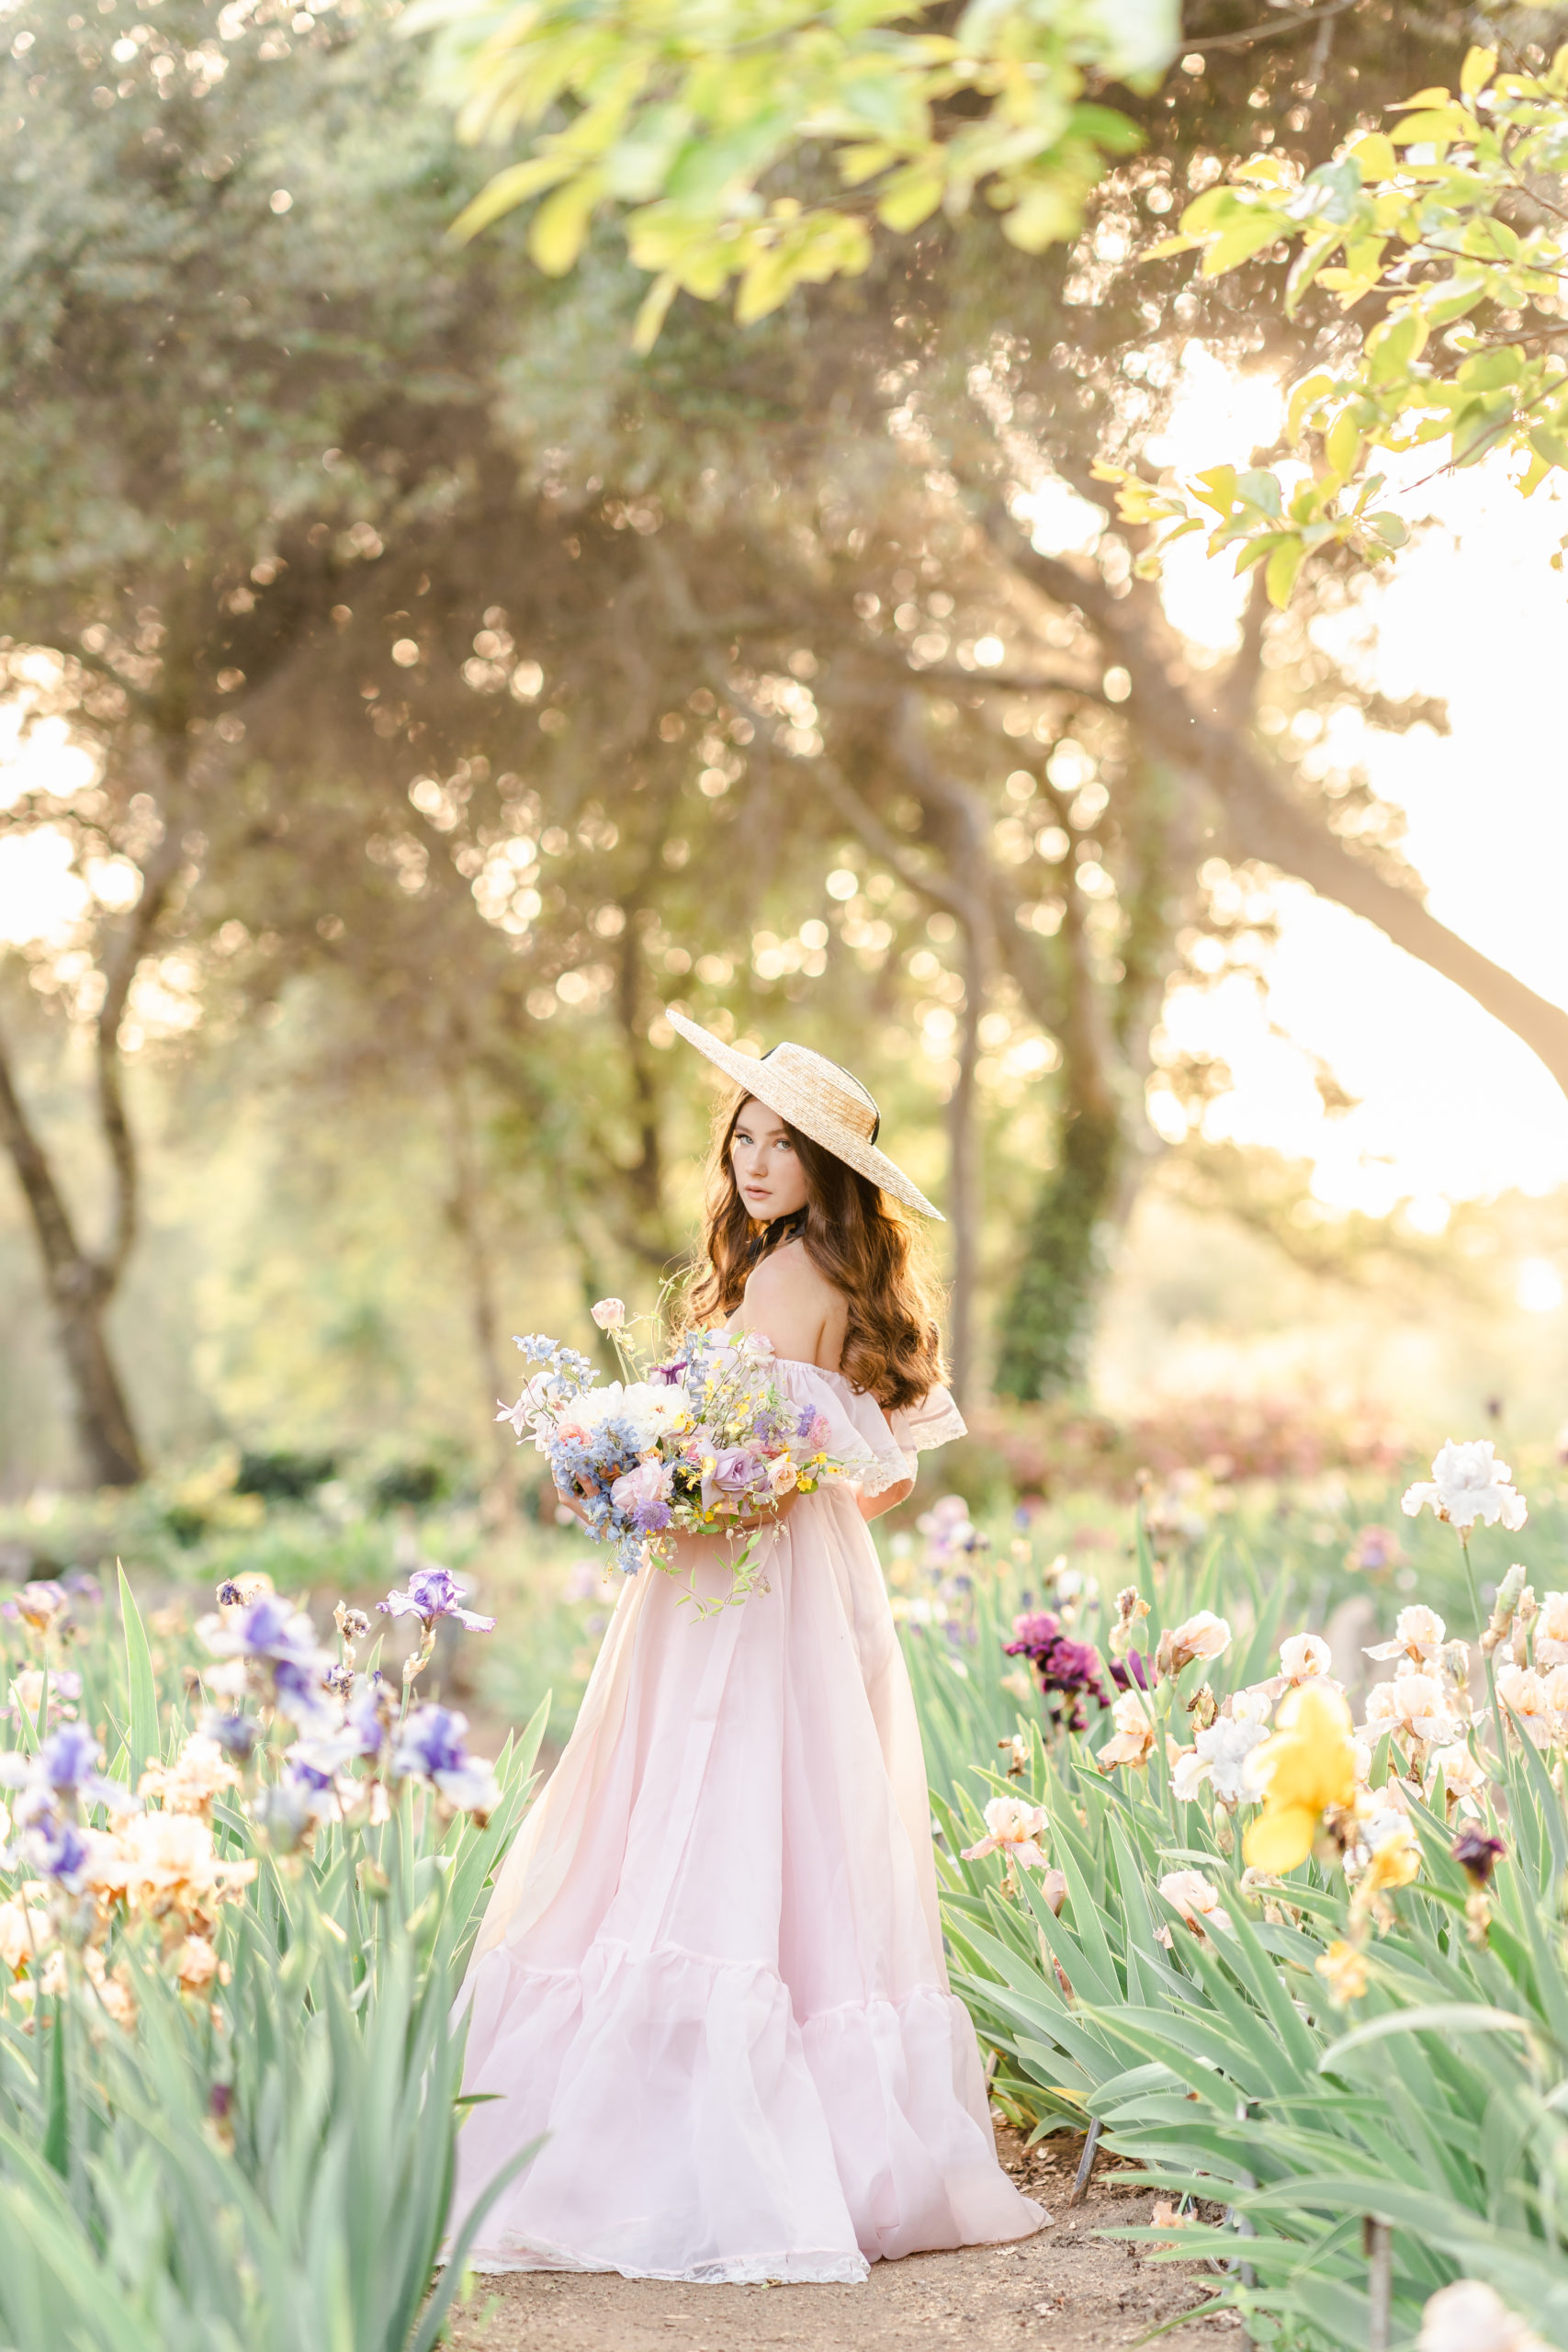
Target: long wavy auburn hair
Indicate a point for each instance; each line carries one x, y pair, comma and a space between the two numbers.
855, 1237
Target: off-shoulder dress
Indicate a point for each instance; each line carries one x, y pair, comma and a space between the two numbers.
711, 1973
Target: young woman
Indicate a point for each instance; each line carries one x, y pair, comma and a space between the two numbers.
711, 1974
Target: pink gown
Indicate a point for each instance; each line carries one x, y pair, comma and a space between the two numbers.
711, 1972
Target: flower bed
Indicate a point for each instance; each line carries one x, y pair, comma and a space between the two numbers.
1305, 1969
241, 1875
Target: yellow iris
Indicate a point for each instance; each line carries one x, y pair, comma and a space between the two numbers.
1308, 1766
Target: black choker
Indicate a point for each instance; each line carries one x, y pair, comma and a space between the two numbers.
782, 1229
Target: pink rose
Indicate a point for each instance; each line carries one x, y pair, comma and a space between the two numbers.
642, 1496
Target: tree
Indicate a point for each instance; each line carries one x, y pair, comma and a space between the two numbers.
517, 679
1445, 232
683, 125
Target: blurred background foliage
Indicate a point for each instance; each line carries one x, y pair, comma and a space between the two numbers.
417, 689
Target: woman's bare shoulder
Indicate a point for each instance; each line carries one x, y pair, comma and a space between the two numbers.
788, 1275
789, 1300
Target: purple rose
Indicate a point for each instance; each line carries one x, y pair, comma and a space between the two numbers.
642, 1496
735, 1472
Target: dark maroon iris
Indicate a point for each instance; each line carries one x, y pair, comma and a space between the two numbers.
1477, 1854
1069, 1672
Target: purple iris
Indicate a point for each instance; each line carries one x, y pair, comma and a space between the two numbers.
1069, 1672
57, 1849
236, 1734
433, 1593
430, 1747
68, 1763
431, 1742
269, 1628
668, 1376
368, 1715
1135, 1668
298, 1689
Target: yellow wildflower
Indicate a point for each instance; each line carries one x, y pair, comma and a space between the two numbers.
1308, 1766
1344, 1972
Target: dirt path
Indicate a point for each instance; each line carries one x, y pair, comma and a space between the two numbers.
1063, 2290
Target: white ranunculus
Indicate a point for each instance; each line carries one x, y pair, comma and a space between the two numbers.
649, 1413
1468, 1483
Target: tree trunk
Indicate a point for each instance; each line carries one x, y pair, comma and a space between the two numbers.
79, 1289
1262, 817
1048, 1320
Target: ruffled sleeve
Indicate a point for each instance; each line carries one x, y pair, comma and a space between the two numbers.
858, 1432
918, 1428
878, 1450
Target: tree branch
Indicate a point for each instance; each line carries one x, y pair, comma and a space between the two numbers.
1265, 822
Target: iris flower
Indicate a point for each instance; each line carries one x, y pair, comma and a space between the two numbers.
1307, 1767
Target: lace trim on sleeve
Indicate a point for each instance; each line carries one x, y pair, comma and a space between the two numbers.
935, 1420
885, 1470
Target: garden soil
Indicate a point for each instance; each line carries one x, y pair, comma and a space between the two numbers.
1065, 2289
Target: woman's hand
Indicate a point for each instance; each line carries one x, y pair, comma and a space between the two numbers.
770, 1518
573, 1503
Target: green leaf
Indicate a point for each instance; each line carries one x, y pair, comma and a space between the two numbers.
910, 195
1239, 244
507, 190
1449, 2017
57, 2125
558, 229
1342, 445
1479, 66
145, 1746
1281, 576
1390, 528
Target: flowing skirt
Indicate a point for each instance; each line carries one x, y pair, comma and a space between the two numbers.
711, 1975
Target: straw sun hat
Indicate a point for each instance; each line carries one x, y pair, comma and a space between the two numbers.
815, 1095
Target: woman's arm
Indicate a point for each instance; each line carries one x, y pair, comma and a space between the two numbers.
873, 1506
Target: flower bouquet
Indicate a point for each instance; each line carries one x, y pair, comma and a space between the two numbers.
706, 1444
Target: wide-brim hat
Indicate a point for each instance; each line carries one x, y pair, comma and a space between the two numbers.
815, 1095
